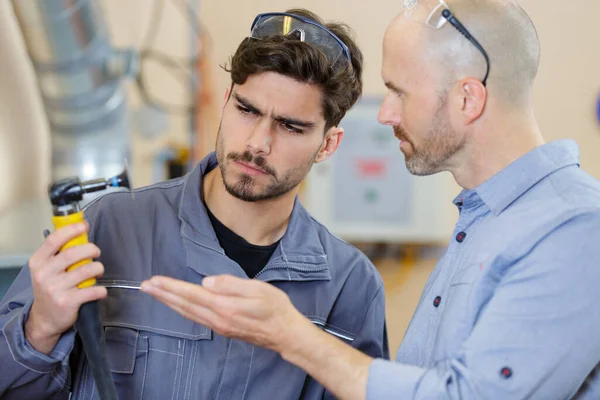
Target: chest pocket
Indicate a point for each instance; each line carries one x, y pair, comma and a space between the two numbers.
340, 333
457, 313
146, 347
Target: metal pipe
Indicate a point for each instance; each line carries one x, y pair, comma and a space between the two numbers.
79, 76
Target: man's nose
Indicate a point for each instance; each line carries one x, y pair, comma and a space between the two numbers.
259, 141
389, 111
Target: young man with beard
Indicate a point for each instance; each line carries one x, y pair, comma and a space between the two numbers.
236, 213
511, 310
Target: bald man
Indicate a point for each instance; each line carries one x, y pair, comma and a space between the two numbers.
512, 310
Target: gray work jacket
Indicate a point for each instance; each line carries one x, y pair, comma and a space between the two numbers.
154, 352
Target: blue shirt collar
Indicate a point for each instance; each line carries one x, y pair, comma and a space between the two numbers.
506, 186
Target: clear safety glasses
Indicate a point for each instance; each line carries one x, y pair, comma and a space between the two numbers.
305, 30
438, 14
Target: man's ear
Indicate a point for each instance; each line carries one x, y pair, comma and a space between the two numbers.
473, 97
333, 138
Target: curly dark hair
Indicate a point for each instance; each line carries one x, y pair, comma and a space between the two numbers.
306, 63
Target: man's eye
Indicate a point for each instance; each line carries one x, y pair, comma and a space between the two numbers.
291, 128
244, 110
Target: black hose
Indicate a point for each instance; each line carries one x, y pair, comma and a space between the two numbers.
90, 331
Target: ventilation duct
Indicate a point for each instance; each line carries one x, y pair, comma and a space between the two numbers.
80, 78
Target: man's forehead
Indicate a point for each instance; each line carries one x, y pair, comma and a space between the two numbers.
273, 82
405, 34
273, 104
400, 48
404, 63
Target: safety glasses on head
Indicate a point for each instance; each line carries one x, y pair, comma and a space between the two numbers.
437, 15
305, 30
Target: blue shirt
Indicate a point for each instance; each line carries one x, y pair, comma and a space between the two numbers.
155, 353
512, 309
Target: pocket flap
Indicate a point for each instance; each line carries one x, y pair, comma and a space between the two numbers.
333, 330
130, 308
121, 344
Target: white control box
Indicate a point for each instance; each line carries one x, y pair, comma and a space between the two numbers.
364, 192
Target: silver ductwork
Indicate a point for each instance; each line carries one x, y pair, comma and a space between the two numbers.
80, 78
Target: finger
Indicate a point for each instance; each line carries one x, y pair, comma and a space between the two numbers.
71, 256
185, 290
57, 239
87, 271
189, 293
77, 296
185, 307
234, 286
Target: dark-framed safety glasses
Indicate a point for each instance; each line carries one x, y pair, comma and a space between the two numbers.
438, 14
305, 30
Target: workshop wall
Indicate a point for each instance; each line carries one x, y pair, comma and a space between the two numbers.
566, 91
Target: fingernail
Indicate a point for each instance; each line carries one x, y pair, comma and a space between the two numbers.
156, 282
208, 281
150, 284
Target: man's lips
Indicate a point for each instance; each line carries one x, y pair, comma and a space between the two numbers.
402, 138
399, 135
250, 168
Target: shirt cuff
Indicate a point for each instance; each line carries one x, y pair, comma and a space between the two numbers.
24, 354
391, 380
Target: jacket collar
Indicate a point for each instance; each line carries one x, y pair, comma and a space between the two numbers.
299, 256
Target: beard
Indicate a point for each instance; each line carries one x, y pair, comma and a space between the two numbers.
246, 187
431, 155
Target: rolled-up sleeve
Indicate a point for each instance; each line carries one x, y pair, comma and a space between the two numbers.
390, 380
536, 337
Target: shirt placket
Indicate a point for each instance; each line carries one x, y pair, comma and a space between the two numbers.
458, 249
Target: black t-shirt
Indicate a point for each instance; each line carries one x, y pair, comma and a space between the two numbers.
250, 257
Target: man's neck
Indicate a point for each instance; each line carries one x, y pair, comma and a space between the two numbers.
494, 148
260, 223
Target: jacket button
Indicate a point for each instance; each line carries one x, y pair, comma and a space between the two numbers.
436, 301
506, 372
460, 237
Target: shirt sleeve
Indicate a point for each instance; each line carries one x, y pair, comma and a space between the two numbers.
27, 373
372, 338
536, 337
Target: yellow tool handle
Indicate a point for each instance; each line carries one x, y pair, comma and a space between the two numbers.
64, 220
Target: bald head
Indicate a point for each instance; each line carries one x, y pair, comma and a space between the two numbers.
502, 28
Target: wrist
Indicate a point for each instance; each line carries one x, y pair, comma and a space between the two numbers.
38, 337
298, 334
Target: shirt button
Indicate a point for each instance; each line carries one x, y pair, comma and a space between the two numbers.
506, 372
436, 301
460, 237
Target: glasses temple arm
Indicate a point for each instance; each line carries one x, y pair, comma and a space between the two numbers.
460, 27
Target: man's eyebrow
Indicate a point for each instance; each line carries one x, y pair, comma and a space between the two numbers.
279, 118
294, 121
393, 88
246, 104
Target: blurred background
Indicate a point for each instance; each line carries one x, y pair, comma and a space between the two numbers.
86, 84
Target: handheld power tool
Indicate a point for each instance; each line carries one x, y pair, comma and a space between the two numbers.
66, 196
